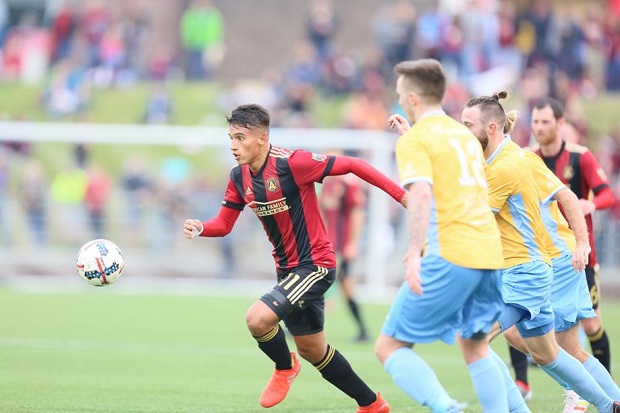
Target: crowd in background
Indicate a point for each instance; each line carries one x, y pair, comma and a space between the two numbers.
536, 51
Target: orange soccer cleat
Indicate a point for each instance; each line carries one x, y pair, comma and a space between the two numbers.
279, 385
378, 406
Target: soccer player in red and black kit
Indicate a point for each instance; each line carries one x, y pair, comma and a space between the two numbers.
278, 185
577, 167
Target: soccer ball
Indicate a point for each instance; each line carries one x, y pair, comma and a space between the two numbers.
100, 262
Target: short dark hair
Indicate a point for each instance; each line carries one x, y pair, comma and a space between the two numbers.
251, 115
425, 76
554, 104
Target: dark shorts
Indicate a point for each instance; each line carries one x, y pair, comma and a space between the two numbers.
298, 298
594, 284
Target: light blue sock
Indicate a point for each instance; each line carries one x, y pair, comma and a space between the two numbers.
516, 404
602, 377
416, 378
487, 380
570, 370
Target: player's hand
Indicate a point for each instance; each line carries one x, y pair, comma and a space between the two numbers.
399, 123
413, 262
580, 257
192, 228
350, 251
403, 200
587, 206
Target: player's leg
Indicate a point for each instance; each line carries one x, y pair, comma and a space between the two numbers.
304, 289
569, 341
335, 368
347, 286
435, 315
593, 327
481, 312
556, 362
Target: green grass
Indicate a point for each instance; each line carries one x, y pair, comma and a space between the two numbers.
99, 351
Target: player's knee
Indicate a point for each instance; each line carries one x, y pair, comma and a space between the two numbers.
257, 323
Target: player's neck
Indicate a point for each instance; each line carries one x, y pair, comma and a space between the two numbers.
494, 142
259, 161
551, 149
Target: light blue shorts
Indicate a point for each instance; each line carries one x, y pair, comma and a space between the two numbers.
570, 298
455, 299
528, 286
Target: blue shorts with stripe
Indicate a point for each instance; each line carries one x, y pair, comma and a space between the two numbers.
528, 286
455, 299
570, 298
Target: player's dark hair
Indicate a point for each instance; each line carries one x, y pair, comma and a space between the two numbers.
425, 77
248, 116
554, 104
492, 110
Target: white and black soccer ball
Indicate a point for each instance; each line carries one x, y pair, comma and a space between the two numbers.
100, 262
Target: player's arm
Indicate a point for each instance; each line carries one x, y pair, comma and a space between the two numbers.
418, 216
345, 164
577, 222
596, 180
218, 226
224, 221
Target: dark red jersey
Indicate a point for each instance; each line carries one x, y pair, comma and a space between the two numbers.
577, 167
282, 195
338, 198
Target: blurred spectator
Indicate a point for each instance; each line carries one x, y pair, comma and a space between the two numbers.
68, 92
158, 105
172, 194
63, 24
480, 28
5, 216
67, 192
160, 63
27, 51
4, 21
394, 30
321, 24
137, 187
96, 199
95, 23
366, 110
202, 37
431, 31
135, 28
34, 200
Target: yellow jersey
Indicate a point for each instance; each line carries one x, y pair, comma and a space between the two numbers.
514, 198
442, 152
558, 237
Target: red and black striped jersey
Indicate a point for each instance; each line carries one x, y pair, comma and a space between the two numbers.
282, 195
577, 167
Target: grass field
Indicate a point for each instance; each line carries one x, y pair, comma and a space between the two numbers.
100, 351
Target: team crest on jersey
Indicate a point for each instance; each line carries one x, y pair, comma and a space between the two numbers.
272, 185
319, 157
568, 172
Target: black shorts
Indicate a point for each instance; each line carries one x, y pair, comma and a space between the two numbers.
594, 284
298, 298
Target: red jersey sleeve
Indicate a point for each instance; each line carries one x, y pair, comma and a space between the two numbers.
308, 167
232, 197
593, 174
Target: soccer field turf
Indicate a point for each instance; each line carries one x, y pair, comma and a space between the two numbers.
100, 351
